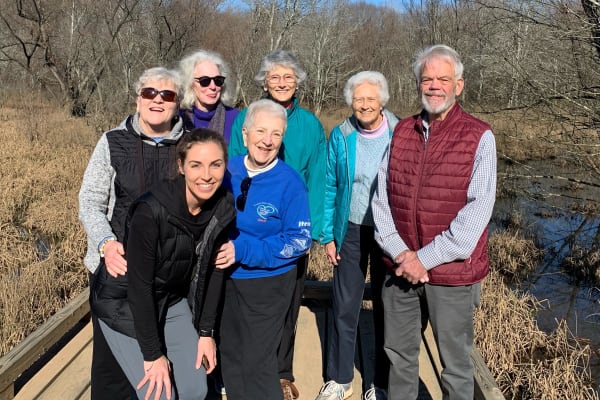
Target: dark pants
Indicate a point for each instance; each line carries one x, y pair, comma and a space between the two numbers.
108, 381
251, 328
359, 250
285, 353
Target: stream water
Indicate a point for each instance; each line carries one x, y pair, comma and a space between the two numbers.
545, 207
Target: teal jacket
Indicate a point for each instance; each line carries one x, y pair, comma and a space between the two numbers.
341, 159
303, 149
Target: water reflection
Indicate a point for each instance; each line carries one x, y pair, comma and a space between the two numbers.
550, 221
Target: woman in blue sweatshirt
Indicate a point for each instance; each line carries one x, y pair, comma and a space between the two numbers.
273, 231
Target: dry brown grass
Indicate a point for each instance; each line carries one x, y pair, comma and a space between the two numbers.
513, 256
584, 262
41, 242
527, 363
518, 135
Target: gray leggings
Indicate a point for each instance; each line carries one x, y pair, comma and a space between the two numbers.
181, 341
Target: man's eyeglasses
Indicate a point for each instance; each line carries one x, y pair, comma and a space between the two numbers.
240, 202
204, 81
149, 93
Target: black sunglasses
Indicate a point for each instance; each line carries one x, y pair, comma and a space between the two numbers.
204, 81
149, 93
240, 202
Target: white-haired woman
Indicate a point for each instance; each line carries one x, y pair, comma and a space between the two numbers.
280, 77
126, 162
273, 232
208, 92
354, 151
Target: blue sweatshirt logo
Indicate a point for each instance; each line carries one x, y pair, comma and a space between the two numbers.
264, 210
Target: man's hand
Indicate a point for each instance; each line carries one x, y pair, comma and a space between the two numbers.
410, 267
114, 258
332, 254
207, 348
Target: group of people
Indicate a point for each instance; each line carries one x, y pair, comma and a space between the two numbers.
200, 219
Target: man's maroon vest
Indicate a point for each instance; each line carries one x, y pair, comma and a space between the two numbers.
428, 183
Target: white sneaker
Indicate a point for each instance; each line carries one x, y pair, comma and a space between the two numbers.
332, 390
375, 393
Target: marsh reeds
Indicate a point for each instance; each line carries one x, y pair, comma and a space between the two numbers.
527, 362
43, 157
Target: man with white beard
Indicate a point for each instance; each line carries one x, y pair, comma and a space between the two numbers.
435, 195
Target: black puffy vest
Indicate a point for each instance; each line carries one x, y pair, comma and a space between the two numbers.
138, 164
177, 274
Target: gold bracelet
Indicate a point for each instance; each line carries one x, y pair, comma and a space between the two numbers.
101, 249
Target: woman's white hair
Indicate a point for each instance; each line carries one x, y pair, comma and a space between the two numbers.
186, 68
283, 58
159, 74
266, 106
372, 77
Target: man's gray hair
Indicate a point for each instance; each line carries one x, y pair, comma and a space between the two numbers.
437, 51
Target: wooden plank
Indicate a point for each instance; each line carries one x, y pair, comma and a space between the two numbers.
428, 373
309, 350
321, 290
314, 327
485, 384
432, 350
29, 350
66, 375
87, 395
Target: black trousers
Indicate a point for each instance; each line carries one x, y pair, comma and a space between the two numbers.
285, 353
251, 328
108, 382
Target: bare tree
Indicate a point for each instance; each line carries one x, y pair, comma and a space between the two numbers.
326, 52
65, 44
592, 10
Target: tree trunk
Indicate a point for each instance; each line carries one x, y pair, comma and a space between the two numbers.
592, 11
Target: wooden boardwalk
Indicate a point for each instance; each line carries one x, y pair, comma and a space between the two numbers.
66, 374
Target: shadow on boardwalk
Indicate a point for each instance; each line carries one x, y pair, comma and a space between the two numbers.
313, 332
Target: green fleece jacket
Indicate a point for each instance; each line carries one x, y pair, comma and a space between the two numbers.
303, 148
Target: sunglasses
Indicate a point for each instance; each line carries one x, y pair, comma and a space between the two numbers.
204, 81
240, 202
149, 93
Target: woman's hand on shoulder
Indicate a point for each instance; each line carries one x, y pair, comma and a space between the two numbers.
157, 374
114, 258
225, 256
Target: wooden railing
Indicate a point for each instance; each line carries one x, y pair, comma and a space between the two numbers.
20, 358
